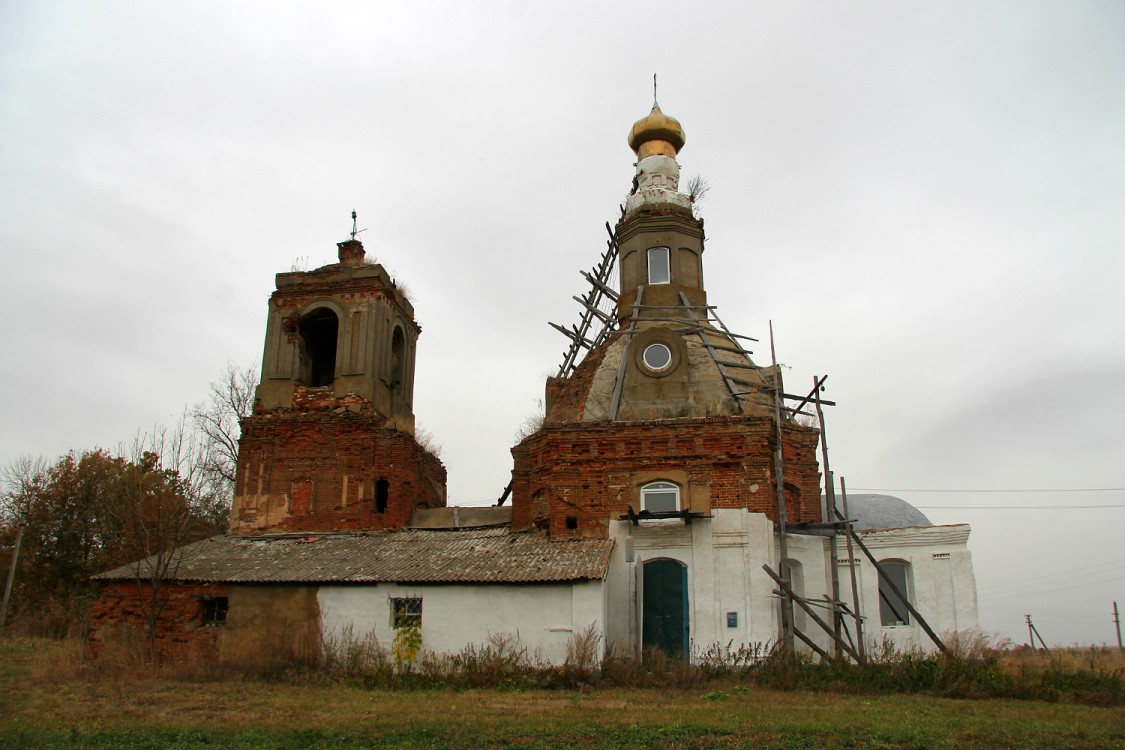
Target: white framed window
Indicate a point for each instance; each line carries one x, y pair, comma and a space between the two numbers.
659, 267
892, 609
660, 497
657, 357
406, 612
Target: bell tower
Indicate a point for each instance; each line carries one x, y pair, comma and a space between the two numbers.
347, 328
330, 445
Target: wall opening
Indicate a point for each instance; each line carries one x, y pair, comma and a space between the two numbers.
797, 583
659, 267
319, 330
406, 612
660, 497
213, 610
892, 609
571, 522
382, 493
398, 358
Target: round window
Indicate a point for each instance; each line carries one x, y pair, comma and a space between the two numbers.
657, 356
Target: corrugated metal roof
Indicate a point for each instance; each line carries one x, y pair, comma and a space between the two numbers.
465, 556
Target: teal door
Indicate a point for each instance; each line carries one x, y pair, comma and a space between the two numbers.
664, 616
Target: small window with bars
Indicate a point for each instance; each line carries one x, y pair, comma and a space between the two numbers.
406, 612
213, 610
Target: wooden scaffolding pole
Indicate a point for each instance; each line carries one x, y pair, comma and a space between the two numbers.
857, 610
782, 515
787, 591
829, 514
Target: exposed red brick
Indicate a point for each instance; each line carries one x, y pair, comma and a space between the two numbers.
180, 632
583, 470
318, 471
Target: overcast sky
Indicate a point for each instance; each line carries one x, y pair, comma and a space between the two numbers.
926, 199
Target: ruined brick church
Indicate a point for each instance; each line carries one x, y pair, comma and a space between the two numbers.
664, 477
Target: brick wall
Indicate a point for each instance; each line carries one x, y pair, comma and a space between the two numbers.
322, 470
180, 632
588, 471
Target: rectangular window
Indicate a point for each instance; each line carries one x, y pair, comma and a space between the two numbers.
659, 270
406, 612
214, 610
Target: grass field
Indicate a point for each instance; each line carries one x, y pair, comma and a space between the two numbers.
48, 700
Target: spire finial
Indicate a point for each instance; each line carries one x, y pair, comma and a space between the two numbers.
355, 231
655, 104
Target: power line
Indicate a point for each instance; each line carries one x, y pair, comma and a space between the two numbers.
1049, 591
1017, 507
1033, 588
1110, 565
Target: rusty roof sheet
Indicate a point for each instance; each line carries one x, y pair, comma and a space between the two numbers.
496, 555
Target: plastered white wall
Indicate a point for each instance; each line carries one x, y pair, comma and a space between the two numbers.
724, 557
941, 582
544, 617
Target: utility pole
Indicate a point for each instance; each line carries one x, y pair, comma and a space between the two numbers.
1033, 633
12, 577
1117, 622
1030, 632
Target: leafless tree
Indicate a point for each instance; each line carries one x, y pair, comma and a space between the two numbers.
21, 480
697, 187
217, 420
161, 503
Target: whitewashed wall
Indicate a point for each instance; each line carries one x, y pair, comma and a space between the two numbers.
724, 557
942, 585
543, 616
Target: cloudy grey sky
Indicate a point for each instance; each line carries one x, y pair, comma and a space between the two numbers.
926, 199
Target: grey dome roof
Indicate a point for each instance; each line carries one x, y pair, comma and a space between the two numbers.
882, 512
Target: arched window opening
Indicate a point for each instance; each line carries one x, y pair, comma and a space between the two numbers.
660, 497
382, 494
659, 268
318, 331
797, 583
892, 609
398, 357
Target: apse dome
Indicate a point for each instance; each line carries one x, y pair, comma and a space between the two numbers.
882, 512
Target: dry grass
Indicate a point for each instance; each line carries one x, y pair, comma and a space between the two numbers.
1099, 659
50, 696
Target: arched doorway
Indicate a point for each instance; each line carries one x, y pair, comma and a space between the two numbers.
664, 616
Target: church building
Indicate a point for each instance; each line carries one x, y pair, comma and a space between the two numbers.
670, 483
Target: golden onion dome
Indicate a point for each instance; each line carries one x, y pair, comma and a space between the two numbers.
657, 126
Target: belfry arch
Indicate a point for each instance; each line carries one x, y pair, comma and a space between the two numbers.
319, 331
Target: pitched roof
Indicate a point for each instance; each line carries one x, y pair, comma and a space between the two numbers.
495, 555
